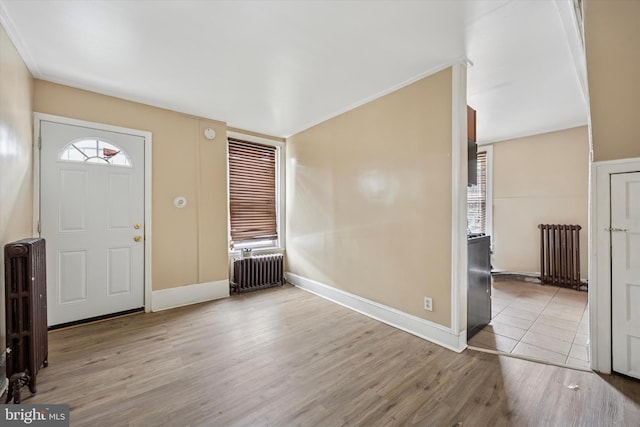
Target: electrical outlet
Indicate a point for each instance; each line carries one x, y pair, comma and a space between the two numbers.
428, 304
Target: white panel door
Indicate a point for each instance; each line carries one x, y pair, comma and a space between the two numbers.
625, 273
92, 217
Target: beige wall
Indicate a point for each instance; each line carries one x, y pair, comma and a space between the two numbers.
189, 244
612, 40
16, 188
540, 179
369, 199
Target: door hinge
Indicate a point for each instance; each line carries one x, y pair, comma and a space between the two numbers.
39, 228
39, 142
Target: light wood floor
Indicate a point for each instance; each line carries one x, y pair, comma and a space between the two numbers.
285, 357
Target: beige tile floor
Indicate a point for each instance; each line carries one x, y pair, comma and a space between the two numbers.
542, 322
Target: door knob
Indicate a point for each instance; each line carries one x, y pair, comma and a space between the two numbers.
137, 226
137, 238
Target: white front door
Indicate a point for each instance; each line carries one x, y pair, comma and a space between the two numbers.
625, 272
92, 217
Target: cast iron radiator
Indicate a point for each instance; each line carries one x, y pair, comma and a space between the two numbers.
257, 272
560, 255
26, 313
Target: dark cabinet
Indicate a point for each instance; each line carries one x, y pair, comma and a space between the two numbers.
471, 124
479, 284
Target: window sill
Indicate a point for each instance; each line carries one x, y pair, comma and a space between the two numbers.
258, 251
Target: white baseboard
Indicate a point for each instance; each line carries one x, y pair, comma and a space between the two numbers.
422, 328
190, 294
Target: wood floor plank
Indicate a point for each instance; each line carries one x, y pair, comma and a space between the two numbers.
284, 357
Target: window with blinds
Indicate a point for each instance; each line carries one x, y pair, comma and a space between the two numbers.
252, 193
477, 198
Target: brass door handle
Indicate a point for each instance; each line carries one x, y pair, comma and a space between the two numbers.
137, 238
137, 226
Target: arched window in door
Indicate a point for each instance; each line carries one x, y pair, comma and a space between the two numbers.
94, 150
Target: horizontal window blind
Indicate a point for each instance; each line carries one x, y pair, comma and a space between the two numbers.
252, 191
477, 198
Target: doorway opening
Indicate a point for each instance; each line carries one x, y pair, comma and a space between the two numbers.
527, 319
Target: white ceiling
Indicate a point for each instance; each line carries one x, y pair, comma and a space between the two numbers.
279, 67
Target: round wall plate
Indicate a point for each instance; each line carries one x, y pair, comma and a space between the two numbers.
209, 133
180, 202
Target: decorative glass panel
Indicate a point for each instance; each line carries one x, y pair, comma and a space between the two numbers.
95, 151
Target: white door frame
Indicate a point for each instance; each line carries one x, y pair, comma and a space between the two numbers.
600, 259
39, 117
459, 202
